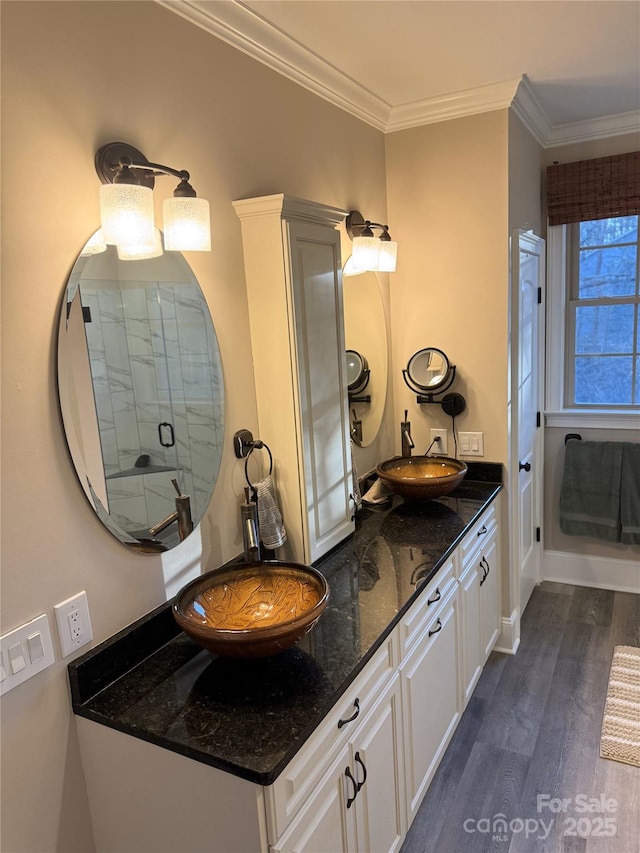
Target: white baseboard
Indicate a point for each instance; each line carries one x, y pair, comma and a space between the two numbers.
509, 638
586, 570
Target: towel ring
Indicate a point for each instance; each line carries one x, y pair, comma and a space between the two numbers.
257, 445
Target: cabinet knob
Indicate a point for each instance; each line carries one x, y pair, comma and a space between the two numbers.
526, 466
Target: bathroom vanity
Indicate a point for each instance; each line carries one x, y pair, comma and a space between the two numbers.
329, 746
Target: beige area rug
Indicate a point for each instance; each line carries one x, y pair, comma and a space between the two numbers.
620, 737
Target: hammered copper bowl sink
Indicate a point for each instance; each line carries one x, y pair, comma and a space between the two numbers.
252, 610
422, 477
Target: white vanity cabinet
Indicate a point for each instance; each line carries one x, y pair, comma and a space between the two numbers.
344, 790
430, 682
356, 783
358, 804
294, 287
479, 589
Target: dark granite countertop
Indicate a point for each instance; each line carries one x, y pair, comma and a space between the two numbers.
251, 717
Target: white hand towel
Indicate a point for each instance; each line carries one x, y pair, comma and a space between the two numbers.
379, 494
272, 530
355, 482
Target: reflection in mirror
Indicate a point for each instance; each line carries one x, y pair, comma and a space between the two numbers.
366, 337
141, 391
358, 375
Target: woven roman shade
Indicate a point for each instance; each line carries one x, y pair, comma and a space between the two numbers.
594, 189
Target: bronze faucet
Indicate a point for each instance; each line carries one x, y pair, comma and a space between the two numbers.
182, 515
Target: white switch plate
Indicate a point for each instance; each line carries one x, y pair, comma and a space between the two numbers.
440, 447
74, 624
31, 652
471, 443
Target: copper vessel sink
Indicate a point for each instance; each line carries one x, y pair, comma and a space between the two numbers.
422, 477
252, 610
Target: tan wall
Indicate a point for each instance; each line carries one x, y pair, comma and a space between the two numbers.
72, 80
448, 208
525, 179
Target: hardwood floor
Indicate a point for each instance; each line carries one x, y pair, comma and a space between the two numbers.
527, 746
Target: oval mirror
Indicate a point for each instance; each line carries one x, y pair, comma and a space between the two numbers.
366, 335
428, 369
141, 391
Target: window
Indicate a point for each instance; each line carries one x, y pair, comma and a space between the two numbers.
592, 294
602, 358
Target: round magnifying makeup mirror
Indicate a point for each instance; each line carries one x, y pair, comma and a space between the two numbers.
428, 369
366, 343
141, 391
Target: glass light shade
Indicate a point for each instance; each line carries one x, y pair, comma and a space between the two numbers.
127, 214
365, 253
94, 245
187, 226
350, 268
145, 250
388, 256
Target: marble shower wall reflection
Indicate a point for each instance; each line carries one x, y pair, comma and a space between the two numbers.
149, 348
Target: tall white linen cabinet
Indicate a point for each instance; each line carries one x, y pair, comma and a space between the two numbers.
294, 290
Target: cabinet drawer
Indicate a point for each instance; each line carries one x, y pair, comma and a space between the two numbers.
480, 533
297, 781
423, 611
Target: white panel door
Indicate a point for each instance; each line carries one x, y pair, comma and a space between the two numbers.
526, 400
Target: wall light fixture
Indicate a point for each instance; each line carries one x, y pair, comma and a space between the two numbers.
370, 253
126, 205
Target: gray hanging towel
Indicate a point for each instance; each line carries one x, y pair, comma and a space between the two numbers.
590, 491
630, 494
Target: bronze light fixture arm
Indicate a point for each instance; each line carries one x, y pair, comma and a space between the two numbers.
119, 162
358, 226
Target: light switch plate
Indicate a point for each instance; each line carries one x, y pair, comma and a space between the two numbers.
31, 652
471, 443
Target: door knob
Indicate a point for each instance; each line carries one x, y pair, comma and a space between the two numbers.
526, 466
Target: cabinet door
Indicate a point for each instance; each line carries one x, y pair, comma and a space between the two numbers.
430, 700
377, 758
489, 598
325, 825
322, 383
472, 649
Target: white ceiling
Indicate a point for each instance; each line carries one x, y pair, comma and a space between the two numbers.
573, 66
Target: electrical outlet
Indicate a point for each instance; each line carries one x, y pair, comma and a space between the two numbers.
74, 624
438, 439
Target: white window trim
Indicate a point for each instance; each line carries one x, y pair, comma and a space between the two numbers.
556, 414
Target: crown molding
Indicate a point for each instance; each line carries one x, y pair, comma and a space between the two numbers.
244, 29
241, 27
598, 128
530, 112
494, 96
